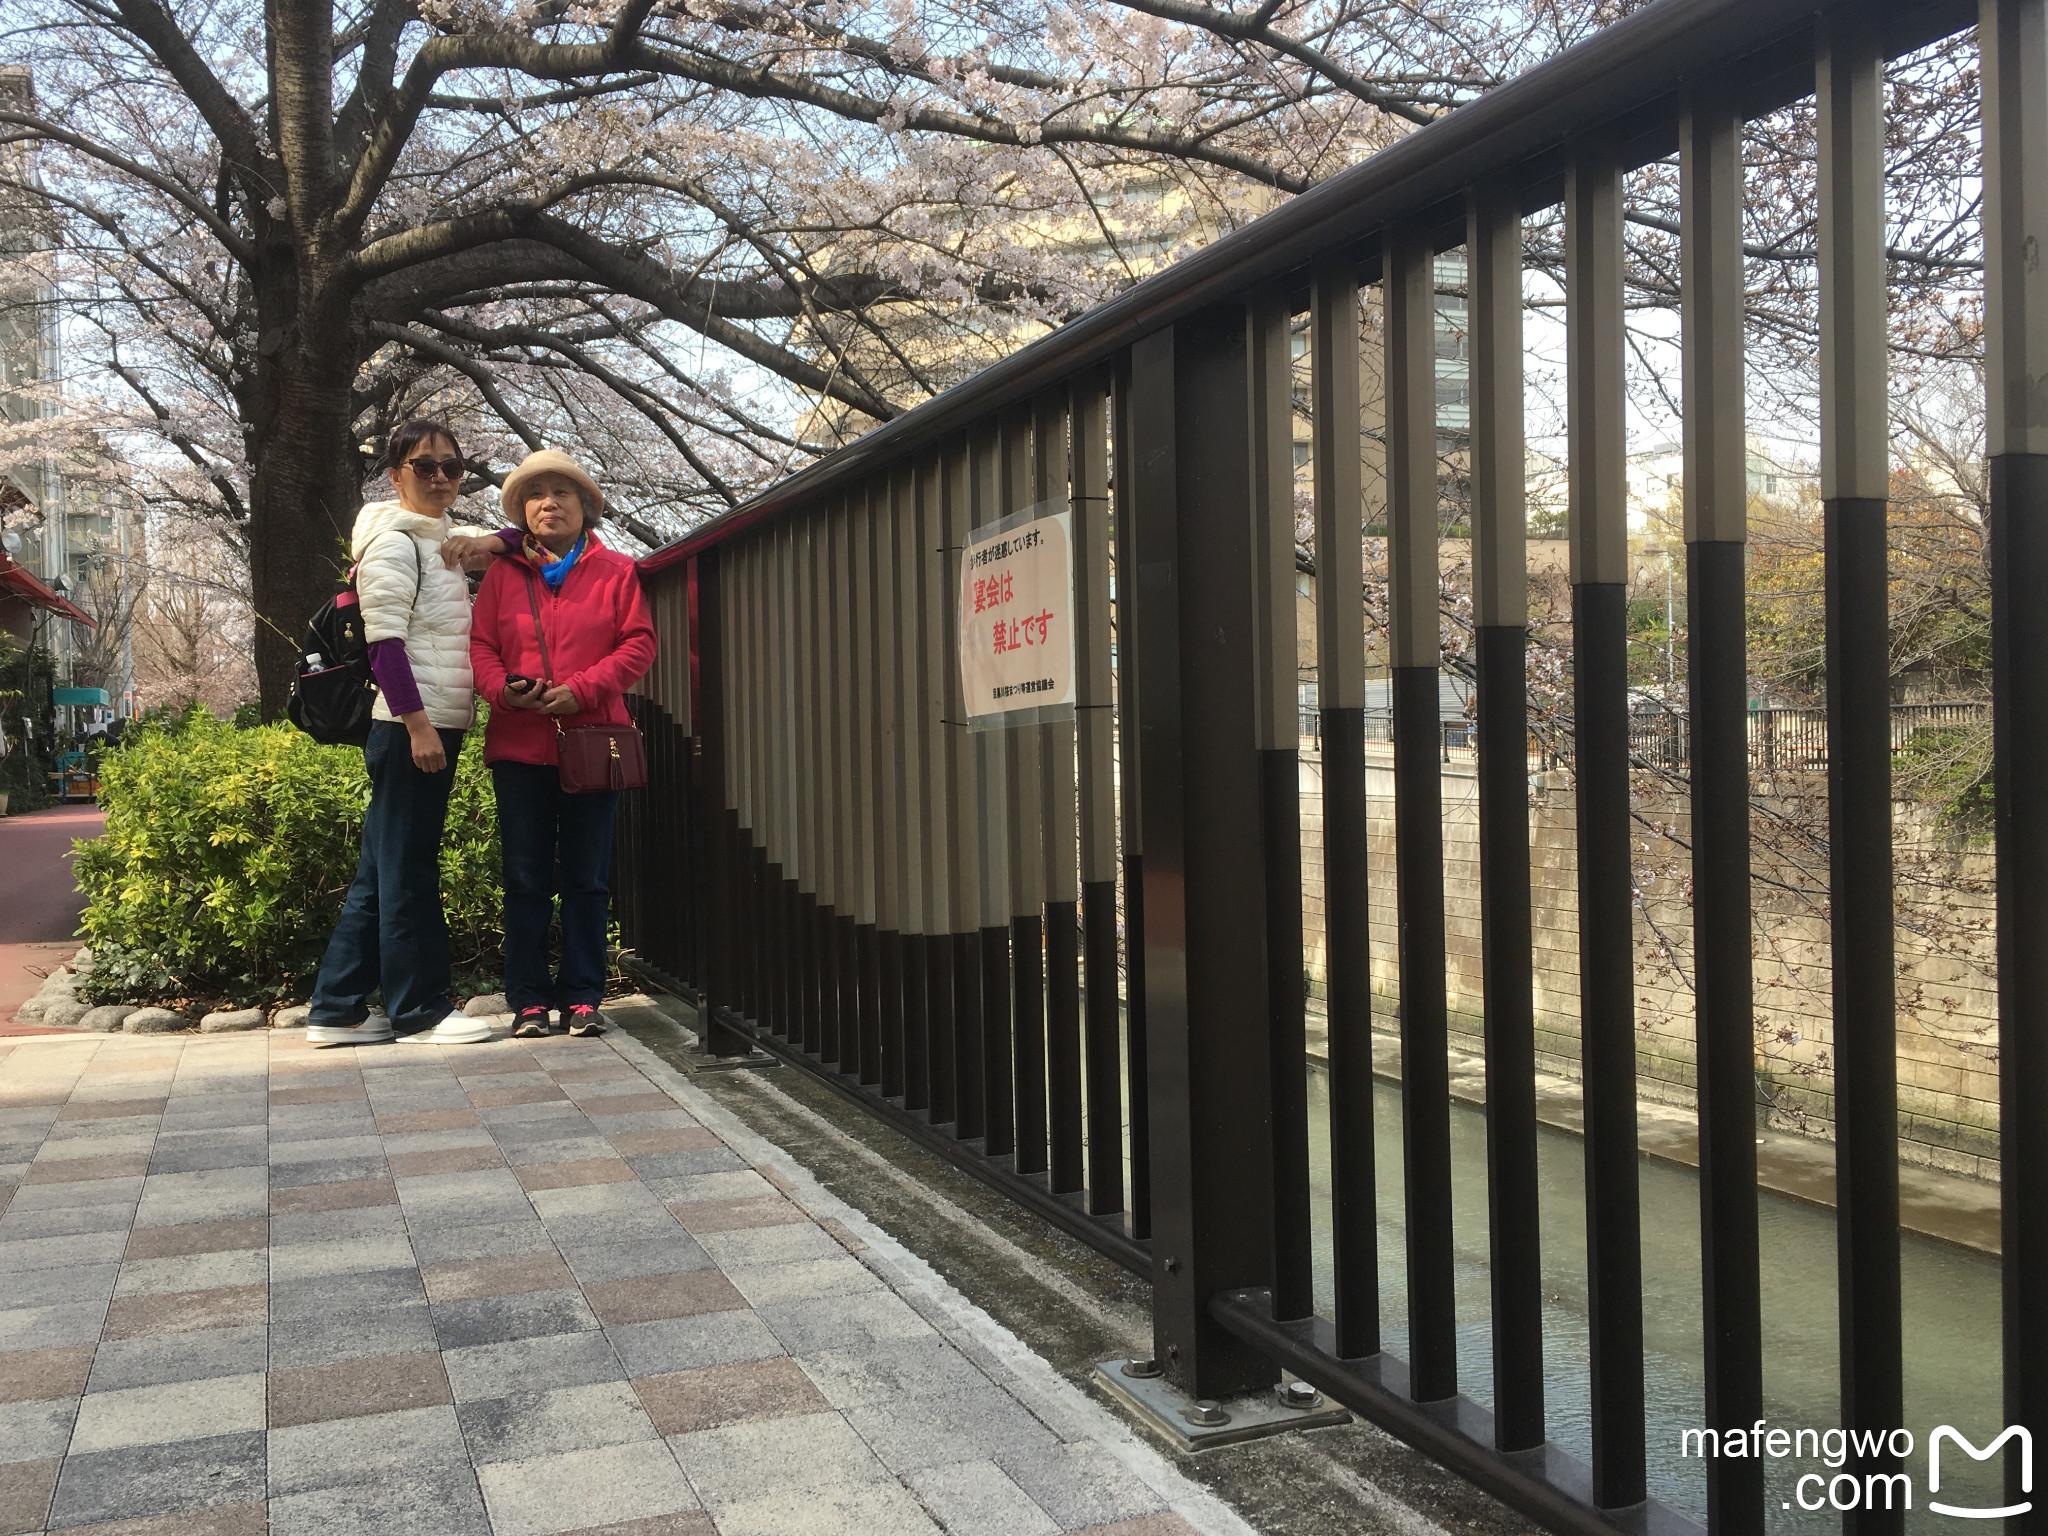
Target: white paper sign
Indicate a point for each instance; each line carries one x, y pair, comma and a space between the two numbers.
1017, 618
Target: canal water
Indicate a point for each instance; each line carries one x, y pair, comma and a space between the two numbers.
1952, 1310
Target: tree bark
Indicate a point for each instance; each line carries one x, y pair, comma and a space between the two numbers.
306, 488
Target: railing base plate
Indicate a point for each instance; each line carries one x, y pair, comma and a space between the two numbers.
693, 1058
1164, 1410
696, 1060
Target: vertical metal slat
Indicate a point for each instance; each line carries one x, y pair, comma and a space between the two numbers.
1278, 739
1095, 733
1132, 486
1340, 697
1854, 492
863, 708
1412, 528
1050, 477
1596, 387
1024, 754
1205, 899
1500, 602
1716, 516
2013, 35
903, 1044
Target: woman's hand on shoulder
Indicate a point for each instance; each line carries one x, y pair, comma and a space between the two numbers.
469, 551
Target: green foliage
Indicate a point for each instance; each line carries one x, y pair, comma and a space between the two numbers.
1950, 766
1549, 519
228, 852
23, 779
1651, 656
120, 974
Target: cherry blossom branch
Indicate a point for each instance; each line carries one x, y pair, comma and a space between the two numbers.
1258, 28
152, 25
640, 398
440, 56
34, 127
230, 494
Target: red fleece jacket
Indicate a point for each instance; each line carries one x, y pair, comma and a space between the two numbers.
600, 640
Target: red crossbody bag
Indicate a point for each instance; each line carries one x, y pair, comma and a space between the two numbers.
592, 758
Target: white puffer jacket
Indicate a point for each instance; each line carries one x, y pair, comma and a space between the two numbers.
393, 550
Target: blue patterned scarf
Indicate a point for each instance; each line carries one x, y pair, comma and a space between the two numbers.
552, 571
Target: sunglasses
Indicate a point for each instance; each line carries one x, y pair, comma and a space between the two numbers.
428, 469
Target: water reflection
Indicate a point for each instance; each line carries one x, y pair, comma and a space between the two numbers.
1951, 1312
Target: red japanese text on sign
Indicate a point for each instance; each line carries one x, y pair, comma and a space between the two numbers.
1016, 618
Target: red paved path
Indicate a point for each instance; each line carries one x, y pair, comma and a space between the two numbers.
39, 901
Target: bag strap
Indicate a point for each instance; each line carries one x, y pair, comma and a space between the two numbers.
547, 667
419, 569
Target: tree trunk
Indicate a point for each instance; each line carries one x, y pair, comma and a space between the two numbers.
304, 494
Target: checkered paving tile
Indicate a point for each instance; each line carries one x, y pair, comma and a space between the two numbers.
248, 1286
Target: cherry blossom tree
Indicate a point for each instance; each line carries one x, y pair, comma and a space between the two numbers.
653, 228
700, 240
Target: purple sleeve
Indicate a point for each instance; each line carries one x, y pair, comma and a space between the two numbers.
513, 539
393, 671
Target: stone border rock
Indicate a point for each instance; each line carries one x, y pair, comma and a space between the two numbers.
57, 1005
227, 1020
155, 1021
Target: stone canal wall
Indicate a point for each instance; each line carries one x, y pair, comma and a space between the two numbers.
1947, 1018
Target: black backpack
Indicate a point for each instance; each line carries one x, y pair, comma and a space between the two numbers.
333, 689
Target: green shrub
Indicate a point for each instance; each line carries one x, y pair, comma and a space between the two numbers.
227, 854
1950, 766
120, 974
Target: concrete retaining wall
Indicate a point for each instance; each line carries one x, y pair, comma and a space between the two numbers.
1947, 1019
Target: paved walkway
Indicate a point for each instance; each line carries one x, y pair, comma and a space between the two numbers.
514, 1288
39, 899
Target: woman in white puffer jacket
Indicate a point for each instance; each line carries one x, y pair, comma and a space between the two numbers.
392, 933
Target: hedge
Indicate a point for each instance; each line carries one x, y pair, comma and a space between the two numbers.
227, 854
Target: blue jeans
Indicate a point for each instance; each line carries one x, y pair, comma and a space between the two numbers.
392, 932
542, 831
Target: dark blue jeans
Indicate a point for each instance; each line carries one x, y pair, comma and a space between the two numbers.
392, 932
541, 830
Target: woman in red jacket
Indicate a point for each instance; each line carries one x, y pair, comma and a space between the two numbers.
599, 640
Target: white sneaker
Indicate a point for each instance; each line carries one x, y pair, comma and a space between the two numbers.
456, 1029
374, 1030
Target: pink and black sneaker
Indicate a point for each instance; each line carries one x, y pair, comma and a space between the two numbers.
585, 1020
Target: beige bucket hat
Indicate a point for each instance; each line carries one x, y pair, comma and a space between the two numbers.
512, 499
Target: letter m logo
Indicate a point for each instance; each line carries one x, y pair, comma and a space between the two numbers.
1944, 1432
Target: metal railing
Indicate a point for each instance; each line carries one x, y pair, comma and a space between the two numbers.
1454, 736
1043, 951
1789, 738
